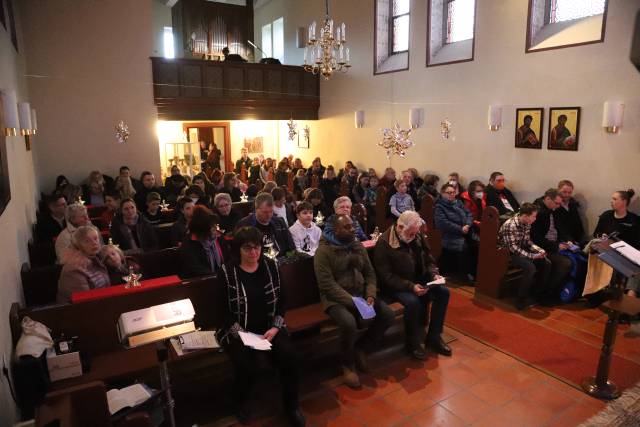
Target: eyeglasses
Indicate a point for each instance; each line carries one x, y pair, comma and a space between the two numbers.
250, 248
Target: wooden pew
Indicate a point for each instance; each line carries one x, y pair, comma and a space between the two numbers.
492, 260
243, 208
434, 237
41, 253
382, 205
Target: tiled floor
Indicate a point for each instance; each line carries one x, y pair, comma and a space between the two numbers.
478, 386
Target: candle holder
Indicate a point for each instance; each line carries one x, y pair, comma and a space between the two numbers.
132, 280
271, 252
376, 234
319, 219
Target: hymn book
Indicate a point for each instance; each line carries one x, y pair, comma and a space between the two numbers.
126, 397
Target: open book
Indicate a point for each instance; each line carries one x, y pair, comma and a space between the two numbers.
628, 251
126, 397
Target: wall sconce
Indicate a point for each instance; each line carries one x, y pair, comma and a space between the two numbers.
612, 116
34, 121
24, 113
10, 107
415, 117
495, 117
359, 119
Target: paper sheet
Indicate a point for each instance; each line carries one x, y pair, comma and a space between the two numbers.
627, 251
199, 340
439, 281
366, 311
254, 341
126, 397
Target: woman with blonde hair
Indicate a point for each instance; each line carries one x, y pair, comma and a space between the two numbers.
125, 187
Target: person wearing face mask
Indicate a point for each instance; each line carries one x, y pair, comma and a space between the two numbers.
116, 263
475, 201
455, 221
515, 236
500, 197
454, 180
83, 269
343, 271
130, 231
405, 265
569, 212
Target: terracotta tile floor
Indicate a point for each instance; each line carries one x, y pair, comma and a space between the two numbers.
478, 386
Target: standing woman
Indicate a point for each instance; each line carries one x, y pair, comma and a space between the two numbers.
254, 304
619, 219
214, 156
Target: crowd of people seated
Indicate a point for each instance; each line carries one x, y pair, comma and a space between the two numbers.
316, 220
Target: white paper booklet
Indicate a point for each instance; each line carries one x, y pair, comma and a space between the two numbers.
126, 397
440, 281
198, 340
254, 341
628, 251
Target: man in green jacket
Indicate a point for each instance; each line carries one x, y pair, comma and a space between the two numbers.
344, 272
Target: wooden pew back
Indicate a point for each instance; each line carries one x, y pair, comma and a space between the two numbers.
492, 260
382, 205
243, 208
427, 212
360, 212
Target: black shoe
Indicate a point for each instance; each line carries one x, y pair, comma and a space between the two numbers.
296, 419
361, 361
525, 303
418, 353
439, 346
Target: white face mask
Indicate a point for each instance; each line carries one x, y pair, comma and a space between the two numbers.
479, 194
453, 182
195, 200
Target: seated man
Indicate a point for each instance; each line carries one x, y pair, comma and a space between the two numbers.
343, 271
500, 197
549, 233
76, 216
306, 235
112, 203
515, 236
404, 265
342, 206
52, 223
148, 186
568, 213
274, 231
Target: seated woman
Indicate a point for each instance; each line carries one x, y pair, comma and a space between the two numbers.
281, 208
299, 183
112, 203
201, 252
475, 201
330, 185
205, 185
620, 220
359, 192
181, 225
252, 286
282, 173
316, 198
230, 186
93, 194
76, 216
117, 264
124, 186
227, 217
130, 231
429, 186
153, 214
198, 196
174, 184
455, 222
83, 269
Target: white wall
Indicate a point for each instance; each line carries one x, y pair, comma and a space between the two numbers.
501, 73
17, 218
89, 68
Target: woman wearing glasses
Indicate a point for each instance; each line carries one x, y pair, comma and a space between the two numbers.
255, 305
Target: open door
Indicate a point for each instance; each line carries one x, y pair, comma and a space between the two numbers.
217, 133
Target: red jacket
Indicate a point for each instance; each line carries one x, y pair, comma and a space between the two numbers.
473, 207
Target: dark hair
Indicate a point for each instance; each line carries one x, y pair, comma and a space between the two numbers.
626, 195
562, 116
551, 193
202, 221
304, 206
472, 186
528, 116
126, 200
362, 175
494, 175
278, 193
60, 179
528, 208
183, 201
124, 168
226, 179
242, 236
143, 174
194, 189
113, 194
55, 196
314, 193
445, 186
199, 178
153, 196
252, 190
431, 179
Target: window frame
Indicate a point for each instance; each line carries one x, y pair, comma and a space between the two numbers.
547, 17
445, 34
375, 44
391, 34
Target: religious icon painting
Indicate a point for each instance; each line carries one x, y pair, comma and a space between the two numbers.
529, 122
564, 128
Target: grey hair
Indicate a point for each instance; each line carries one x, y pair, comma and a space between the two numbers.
263, 198
410, 218
339, 200
221, 196
82, 233
73, 210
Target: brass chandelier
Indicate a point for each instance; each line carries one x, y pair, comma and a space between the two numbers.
328, 53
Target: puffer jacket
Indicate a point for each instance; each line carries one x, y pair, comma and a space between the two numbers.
450, 217
343, 271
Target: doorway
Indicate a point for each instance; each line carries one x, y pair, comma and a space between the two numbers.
217, 133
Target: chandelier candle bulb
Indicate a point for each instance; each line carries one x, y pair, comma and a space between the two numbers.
338, 34
11, 120
24, 110
344, 32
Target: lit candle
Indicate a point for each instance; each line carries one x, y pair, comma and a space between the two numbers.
313, 30
330, 27
344, 32
338, 33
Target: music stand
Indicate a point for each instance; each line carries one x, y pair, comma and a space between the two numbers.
600, 386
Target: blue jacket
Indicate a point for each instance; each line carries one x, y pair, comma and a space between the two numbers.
327, 231
450, 217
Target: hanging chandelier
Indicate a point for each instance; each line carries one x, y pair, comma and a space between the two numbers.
328, 53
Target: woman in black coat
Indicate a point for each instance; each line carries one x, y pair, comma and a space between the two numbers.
201, 252
130, 231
